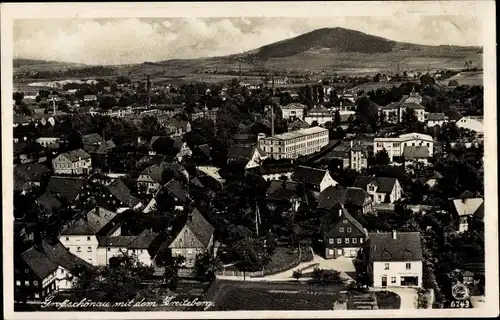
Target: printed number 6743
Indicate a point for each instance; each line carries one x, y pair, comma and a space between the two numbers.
460, 304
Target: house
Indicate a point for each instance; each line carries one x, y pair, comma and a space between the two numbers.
381, 189
195, 237
172, 193
394, 146
474, 123
43, 269
27, 176
394, 259
433, 179
151, 179
244, 139
276, 171
318, 115
119, 196
468, 208
49, 142
75, 162
435, 119
315, 179
110, 246
80, 236
416, 153
251, 156
394, 112
176, 127
283, 194
67, 188
48, 201
293, 111
414, 97
95, 144
182, 148
90, 97
343, 235
353, 199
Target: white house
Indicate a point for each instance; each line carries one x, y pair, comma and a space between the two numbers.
435, 119
395, 145
474, 123
49, 142
316, 179
320, 115
253, 156
380, 189
293, 111
72, 162
394, 259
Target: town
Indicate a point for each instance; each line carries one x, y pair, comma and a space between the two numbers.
300, 192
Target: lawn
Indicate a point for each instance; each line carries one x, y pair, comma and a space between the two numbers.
282, 259
388, 300
233, 295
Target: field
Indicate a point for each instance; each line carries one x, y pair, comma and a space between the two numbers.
467, 78
233, 295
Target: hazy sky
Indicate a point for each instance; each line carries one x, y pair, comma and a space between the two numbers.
135, 40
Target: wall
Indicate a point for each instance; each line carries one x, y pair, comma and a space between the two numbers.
63, 282
72, 242
396, 269
326, 182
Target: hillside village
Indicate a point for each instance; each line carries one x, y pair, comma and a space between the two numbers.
126, 186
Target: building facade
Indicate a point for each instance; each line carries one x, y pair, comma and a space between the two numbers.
293, 111
73, 162
291, 145
395, 145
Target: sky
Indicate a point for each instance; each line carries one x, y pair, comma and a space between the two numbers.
136, 40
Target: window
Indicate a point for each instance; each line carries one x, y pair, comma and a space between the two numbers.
408, 266
347, 240
27, 283
341, 229
18, 283
344, 221
330, 241
89, 249
88, 238
393, 279
349, 229
26, 270
67, 238
35, 283
354, 240
79, 249
61, 271
109, 249
386, 267
37, 295
339, 240
360, 240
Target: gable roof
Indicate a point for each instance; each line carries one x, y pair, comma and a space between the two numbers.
67, 187
331, 196
38, 262
143, 240
176, 189
61, 256
115, 241
200, 227
96, 220
406, 247
92, 138
120, 191
293, 105
331, 219
416, 152
308, 175
75, 155
30, 172
243, 152
356, 196
385, 185
48, 201
297, 125
156, 171
469, 206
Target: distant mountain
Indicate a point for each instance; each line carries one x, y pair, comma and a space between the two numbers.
337, 40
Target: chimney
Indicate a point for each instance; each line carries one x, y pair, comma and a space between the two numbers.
394, 234
351, 144
54, 105
272, 121
97, 211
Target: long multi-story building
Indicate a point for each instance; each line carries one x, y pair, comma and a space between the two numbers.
395, 145
291, 145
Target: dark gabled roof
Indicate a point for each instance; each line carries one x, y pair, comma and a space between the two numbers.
200, 227
175, 189
61, 256
243, 152
67, 187
406, 247
308, 175
120, 191
385, 185
153, 160
466, 194
143, 240
210, 182
282, 190
101, 148
415, 152
178, 143
49, 201
30, 172
116, 241
96, 220
297, 125
294, 105
205, 149
75, 155
196, 182
411, 105
330, 197
332, 218
356, 196
156, 171
38, 262
244, 137
278, 168
435, 116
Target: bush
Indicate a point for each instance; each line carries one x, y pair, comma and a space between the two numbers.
388, 300
297, 274
326, 277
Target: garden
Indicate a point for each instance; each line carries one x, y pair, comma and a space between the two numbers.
388, 300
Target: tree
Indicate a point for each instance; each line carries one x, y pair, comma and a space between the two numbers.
107, 103
172, 264
297, 274
206, 265
337, 121
165, 146
367, 112
314, 123
325, 277
18, 97
382, 158
453, 83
